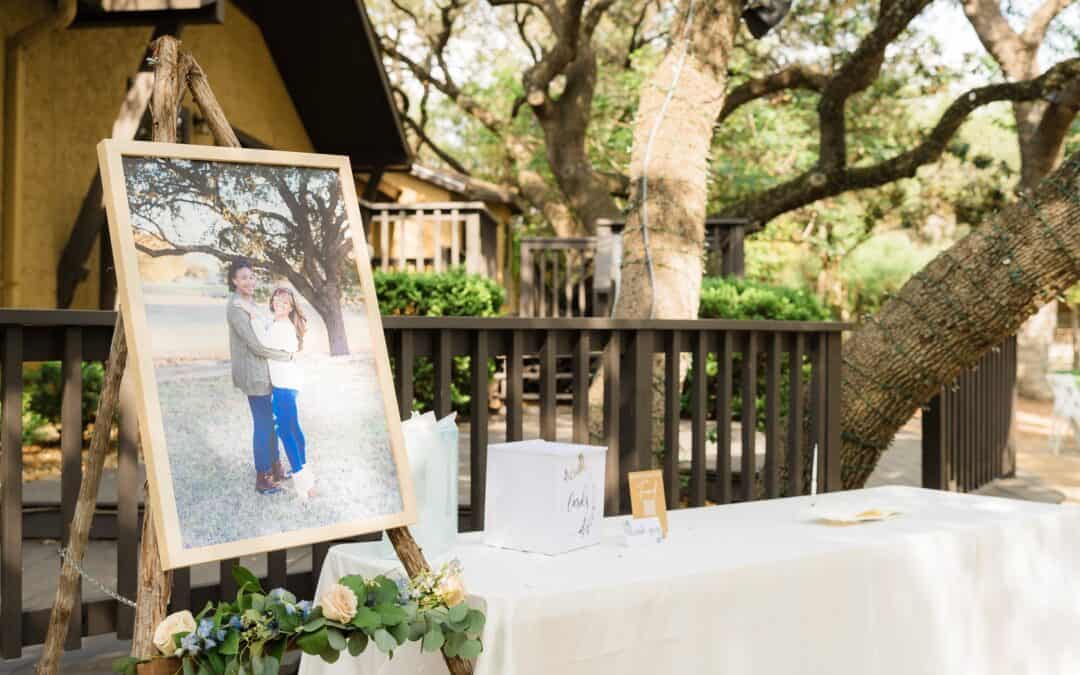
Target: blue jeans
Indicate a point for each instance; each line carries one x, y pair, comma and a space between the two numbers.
263, 442
288, 427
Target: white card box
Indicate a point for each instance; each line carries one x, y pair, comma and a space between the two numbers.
544, 497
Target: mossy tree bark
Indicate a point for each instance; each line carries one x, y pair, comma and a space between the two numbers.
962, 304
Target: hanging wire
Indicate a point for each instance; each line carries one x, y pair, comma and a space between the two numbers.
648, 156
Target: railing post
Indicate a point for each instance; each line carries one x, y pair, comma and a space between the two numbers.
474, 258
934, 462
526, 295
832, 414
11, 515
635, 414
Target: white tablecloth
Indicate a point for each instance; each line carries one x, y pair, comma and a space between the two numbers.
956, 584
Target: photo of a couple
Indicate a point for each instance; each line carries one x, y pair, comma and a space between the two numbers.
271, 388
263, 347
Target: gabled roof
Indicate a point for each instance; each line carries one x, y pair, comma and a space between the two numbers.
466, 187
328, 57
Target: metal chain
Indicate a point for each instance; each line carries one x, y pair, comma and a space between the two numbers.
65, 556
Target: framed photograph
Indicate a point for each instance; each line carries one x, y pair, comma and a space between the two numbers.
266, 408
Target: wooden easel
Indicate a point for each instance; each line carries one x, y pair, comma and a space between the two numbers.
174, 71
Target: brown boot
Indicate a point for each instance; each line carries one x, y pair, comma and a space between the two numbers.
279, 472
264, 483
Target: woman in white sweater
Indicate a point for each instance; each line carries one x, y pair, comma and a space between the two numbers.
286, 332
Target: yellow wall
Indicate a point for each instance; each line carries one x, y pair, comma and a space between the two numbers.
74, 83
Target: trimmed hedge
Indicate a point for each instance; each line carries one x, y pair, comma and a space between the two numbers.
731, 298
453, 293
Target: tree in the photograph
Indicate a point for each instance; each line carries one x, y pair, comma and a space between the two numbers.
288, 222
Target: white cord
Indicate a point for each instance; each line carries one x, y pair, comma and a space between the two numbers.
648, 156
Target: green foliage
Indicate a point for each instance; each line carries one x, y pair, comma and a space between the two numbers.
879, 268
45, 385
42, 392
731, 298
453, 293
250, 634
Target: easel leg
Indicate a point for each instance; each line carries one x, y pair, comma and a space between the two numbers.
68, 587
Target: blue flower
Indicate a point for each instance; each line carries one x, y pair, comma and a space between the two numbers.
236, 623
190, 643
220, 635
205, 626
290, 610
209, 644
277, 594
305, 608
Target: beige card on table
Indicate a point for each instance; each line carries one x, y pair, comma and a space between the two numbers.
647, 496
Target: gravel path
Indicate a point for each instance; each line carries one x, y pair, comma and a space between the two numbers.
208, 433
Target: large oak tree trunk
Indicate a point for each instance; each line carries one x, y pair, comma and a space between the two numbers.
669, 164
963, 303
668, 168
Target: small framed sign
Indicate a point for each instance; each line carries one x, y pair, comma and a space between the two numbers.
647, 496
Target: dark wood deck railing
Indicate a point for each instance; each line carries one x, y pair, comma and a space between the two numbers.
966, 428
802, 407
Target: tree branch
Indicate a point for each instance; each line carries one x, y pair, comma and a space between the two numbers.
817, 184
857, 73
796, 76
1040, 21
998, 37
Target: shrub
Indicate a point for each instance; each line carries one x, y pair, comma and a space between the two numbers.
453, 293
731, 298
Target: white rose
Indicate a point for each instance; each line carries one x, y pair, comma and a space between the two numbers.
180, 622
338, 603
452, 589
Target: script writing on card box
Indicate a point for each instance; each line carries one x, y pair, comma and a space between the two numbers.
647, 496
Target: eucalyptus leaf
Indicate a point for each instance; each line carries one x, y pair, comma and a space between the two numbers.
458, 612
217, 661
417, 629
384, 641
125, 665
433, 640
330, 656
476, 622
313, 624
400, 631
357, 584
438, 614
244, 578
231, 644
204, 669
386, 591
470, 649
335, 639
358, 642
390, 615
314, 643
367, 618
189, 666
258, 602
453, 644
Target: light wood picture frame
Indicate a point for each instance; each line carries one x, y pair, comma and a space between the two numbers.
180, 216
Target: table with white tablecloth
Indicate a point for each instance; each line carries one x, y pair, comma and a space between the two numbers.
953, 584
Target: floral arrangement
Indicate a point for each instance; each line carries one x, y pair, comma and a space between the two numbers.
249, 636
